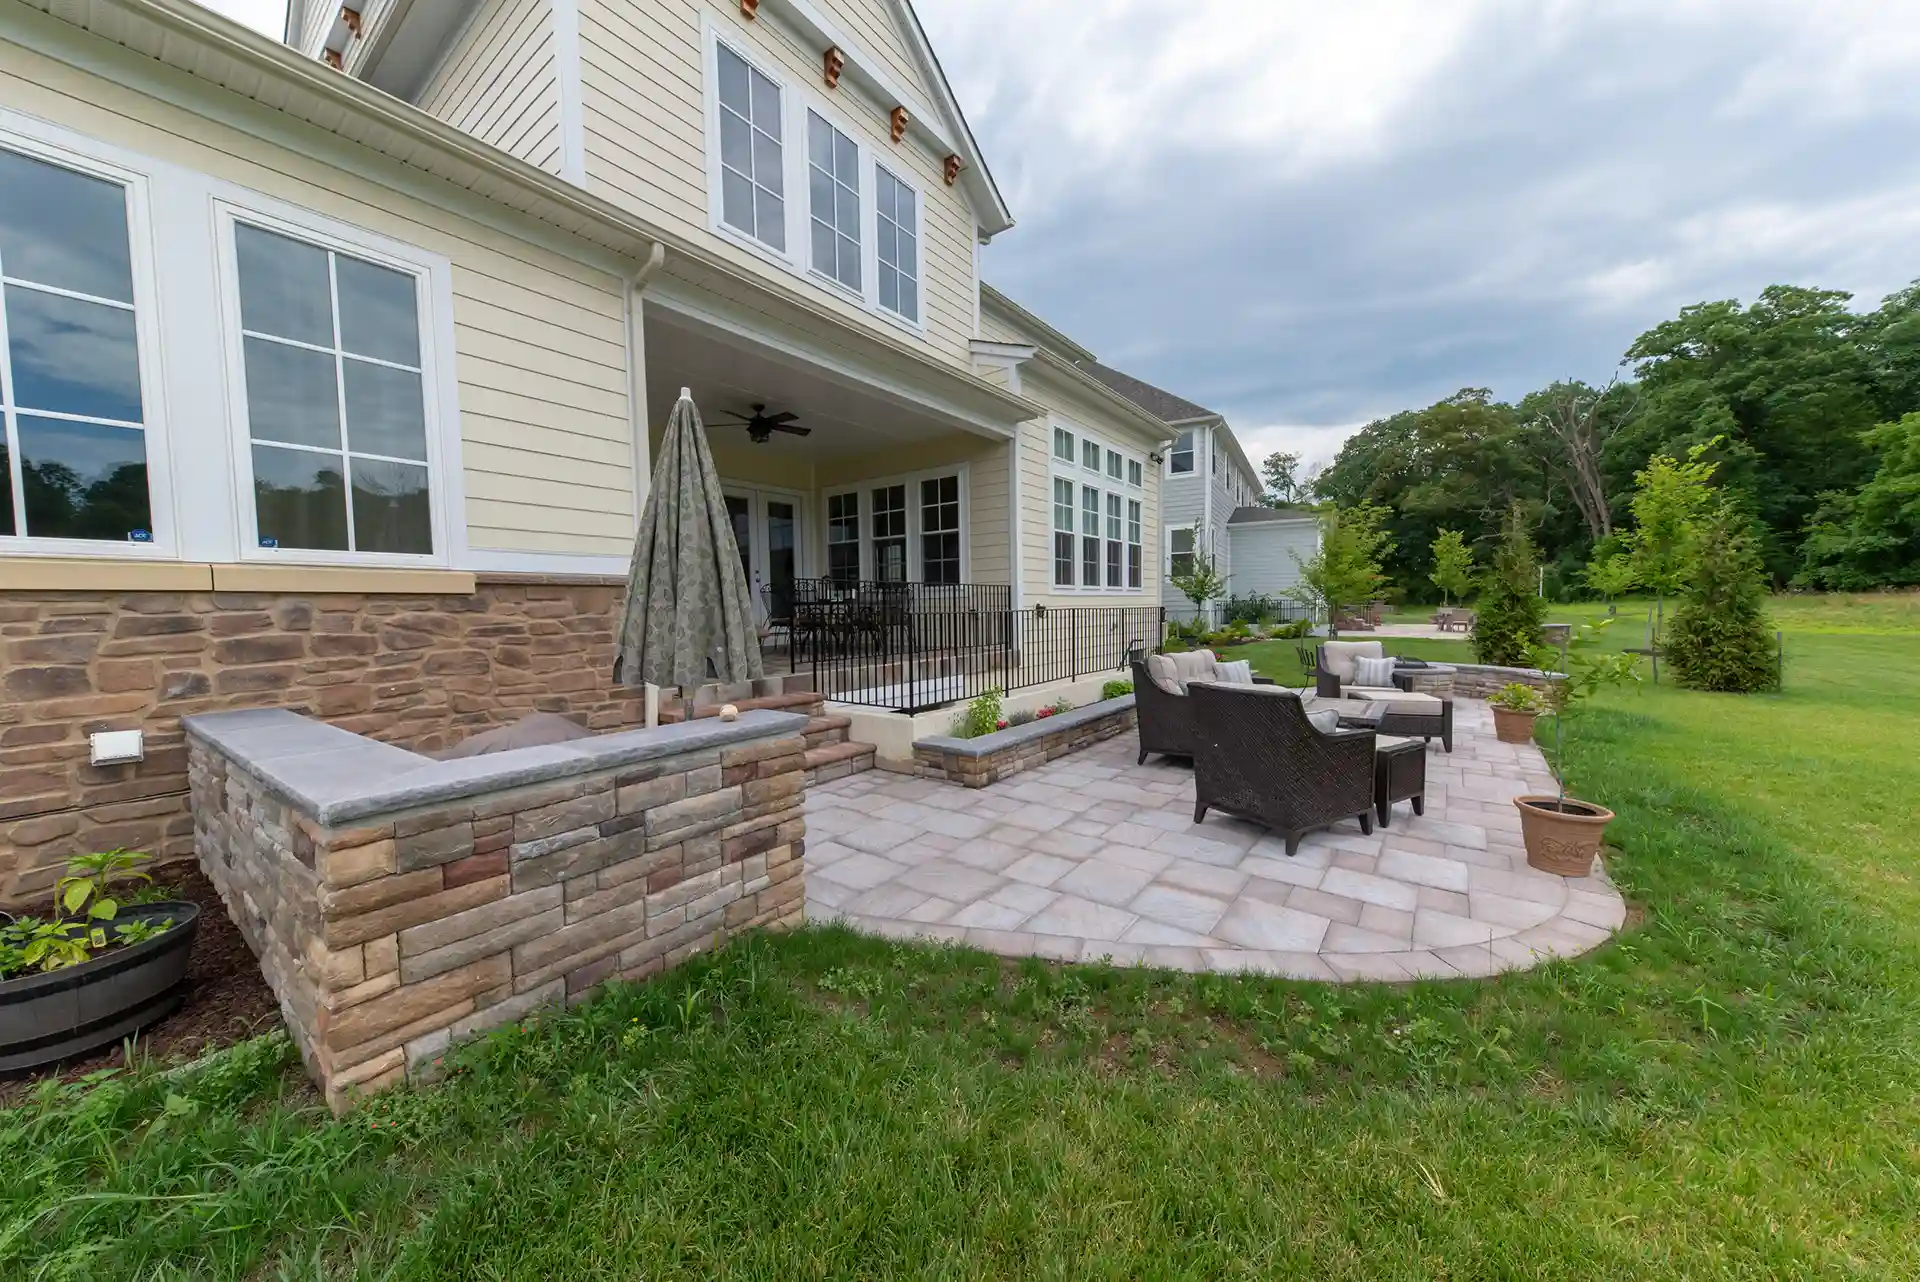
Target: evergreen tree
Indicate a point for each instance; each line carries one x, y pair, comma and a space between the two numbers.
1720, 638
1506, 623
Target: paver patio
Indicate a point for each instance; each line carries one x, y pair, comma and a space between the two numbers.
1094, 856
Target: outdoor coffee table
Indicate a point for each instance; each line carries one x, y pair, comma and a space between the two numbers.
1399, 774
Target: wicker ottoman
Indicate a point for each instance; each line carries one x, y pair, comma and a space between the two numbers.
1399, 774
1406, 713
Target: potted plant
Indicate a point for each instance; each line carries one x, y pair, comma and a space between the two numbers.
1562, 834
1515, 706
98, 970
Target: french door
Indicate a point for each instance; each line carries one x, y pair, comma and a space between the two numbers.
766, 526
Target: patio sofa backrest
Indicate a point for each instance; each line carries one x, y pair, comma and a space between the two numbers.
1337, 657
1173, 672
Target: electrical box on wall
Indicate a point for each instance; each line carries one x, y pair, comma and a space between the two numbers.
117, 747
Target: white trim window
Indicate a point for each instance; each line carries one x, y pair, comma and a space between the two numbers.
335, 406
833, 187
940, 529
1098, 514
890, 533
752, 149
1180, 457
898, 251
78, 454
1181, 545
843, 537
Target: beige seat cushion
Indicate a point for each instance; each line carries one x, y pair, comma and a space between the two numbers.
533, 731
1337, 656
1160, 671
1401, 701
1385, 742
1193, 665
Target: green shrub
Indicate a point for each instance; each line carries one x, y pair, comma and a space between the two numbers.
1293, 631
1020, 718
1506, 626
982, 716
1720, 638
1256, 607
1114, 689
1517, 696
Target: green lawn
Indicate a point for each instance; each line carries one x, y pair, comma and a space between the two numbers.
1731, 1090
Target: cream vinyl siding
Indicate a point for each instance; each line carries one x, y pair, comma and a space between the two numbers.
499, 82
1078, 409
539, 344
644, 116
996, 328
871, 24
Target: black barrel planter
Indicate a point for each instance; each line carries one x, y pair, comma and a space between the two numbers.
50, 1016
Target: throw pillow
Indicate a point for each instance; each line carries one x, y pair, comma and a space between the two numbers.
1377, 673
1237, 673
1326, 721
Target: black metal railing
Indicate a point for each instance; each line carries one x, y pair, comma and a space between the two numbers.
914, 646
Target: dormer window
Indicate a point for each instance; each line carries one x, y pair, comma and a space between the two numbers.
752, 189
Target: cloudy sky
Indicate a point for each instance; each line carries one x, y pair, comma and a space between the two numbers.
1306, 215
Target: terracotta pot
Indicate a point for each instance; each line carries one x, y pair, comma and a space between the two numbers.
1513, 727
1562, 835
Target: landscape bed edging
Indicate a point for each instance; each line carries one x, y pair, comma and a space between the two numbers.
976, 763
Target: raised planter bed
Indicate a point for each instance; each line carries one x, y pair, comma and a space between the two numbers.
975, 763
50, 1016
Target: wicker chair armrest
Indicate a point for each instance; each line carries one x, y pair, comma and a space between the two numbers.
1325, 684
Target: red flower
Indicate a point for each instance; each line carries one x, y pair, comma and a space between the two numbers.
1000, 725
1044, 712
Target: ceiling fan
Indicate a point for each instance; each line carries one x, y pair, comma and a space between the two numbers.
761, 425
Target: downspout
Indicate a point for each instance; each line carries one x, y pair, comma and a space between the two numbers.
1206, 512
637, 377
1014, 532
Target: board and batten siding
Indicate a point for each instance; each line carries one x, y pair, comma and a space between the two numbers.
644, 122
499, 81
1263, 555
539, 336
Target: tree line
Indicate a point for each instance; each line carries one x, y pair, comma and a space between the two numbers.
1804, 413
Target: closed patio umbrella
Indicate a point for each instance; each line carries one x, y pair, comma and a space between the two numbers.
689, 615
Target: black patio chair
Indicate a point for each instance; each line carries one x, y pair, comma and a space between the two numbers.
1258, 758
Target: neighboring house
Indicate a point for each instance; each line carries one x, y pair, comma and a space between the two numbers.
1268, 546
1208, 483
339, 390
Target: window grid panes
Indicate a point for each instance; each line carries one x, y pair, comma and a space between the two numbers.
1181, 459
1063, 444
1113, 464
890, 533
752, 181
1090, 455
1089, 536
336, 407
843, 538
1180, 545
899, 252
1133, 543
73, 453
833, 188
940, 529
1062, 532
1133, 473
1113, 541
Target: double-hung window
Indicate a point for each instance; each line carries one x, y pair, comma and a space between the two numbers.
940, 529
335, 398
843, 537
1062, 532
1133, 543
833, 186
1180, 460
73, 455
1090, 536
1063, 444
890, 533
1090, 455
898, 228
1180, 548
752, 154
1133, 473
1115, 568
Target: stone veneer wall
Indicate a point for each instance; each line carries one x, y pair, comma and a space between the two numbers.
1478, 680
398, 904
976, 763
421, 671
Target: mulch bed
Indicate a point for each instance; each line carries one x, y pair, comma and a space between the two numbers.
227, 999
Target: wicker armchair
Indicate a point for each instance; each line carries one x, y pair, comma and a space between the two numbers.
1165, 719
1260, 759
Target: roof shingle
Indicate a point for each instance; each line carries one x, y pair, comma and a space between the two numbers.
1163, 405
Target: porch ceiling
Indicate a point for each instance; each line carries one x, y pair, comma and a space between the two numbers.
728, 375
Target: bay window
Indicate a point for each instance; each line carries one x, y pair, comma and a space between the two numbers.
335, 398
74, 451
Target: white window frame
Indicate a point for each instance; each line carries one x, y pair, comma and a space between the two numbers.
916, 569
70, 151
1080, 476
439, 386
1166, 567
798, 96
867, 248
1193, 452
871, 211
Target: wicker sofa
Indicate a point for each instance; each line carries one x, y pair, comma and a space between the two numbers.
1259, 758
1162, 709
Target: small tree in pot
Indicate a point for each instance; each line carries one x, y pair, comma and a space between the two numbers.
1515, 705
1563, 834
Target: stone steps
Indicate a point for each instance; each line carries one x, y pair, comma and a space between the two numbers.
837, 760
823, 731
